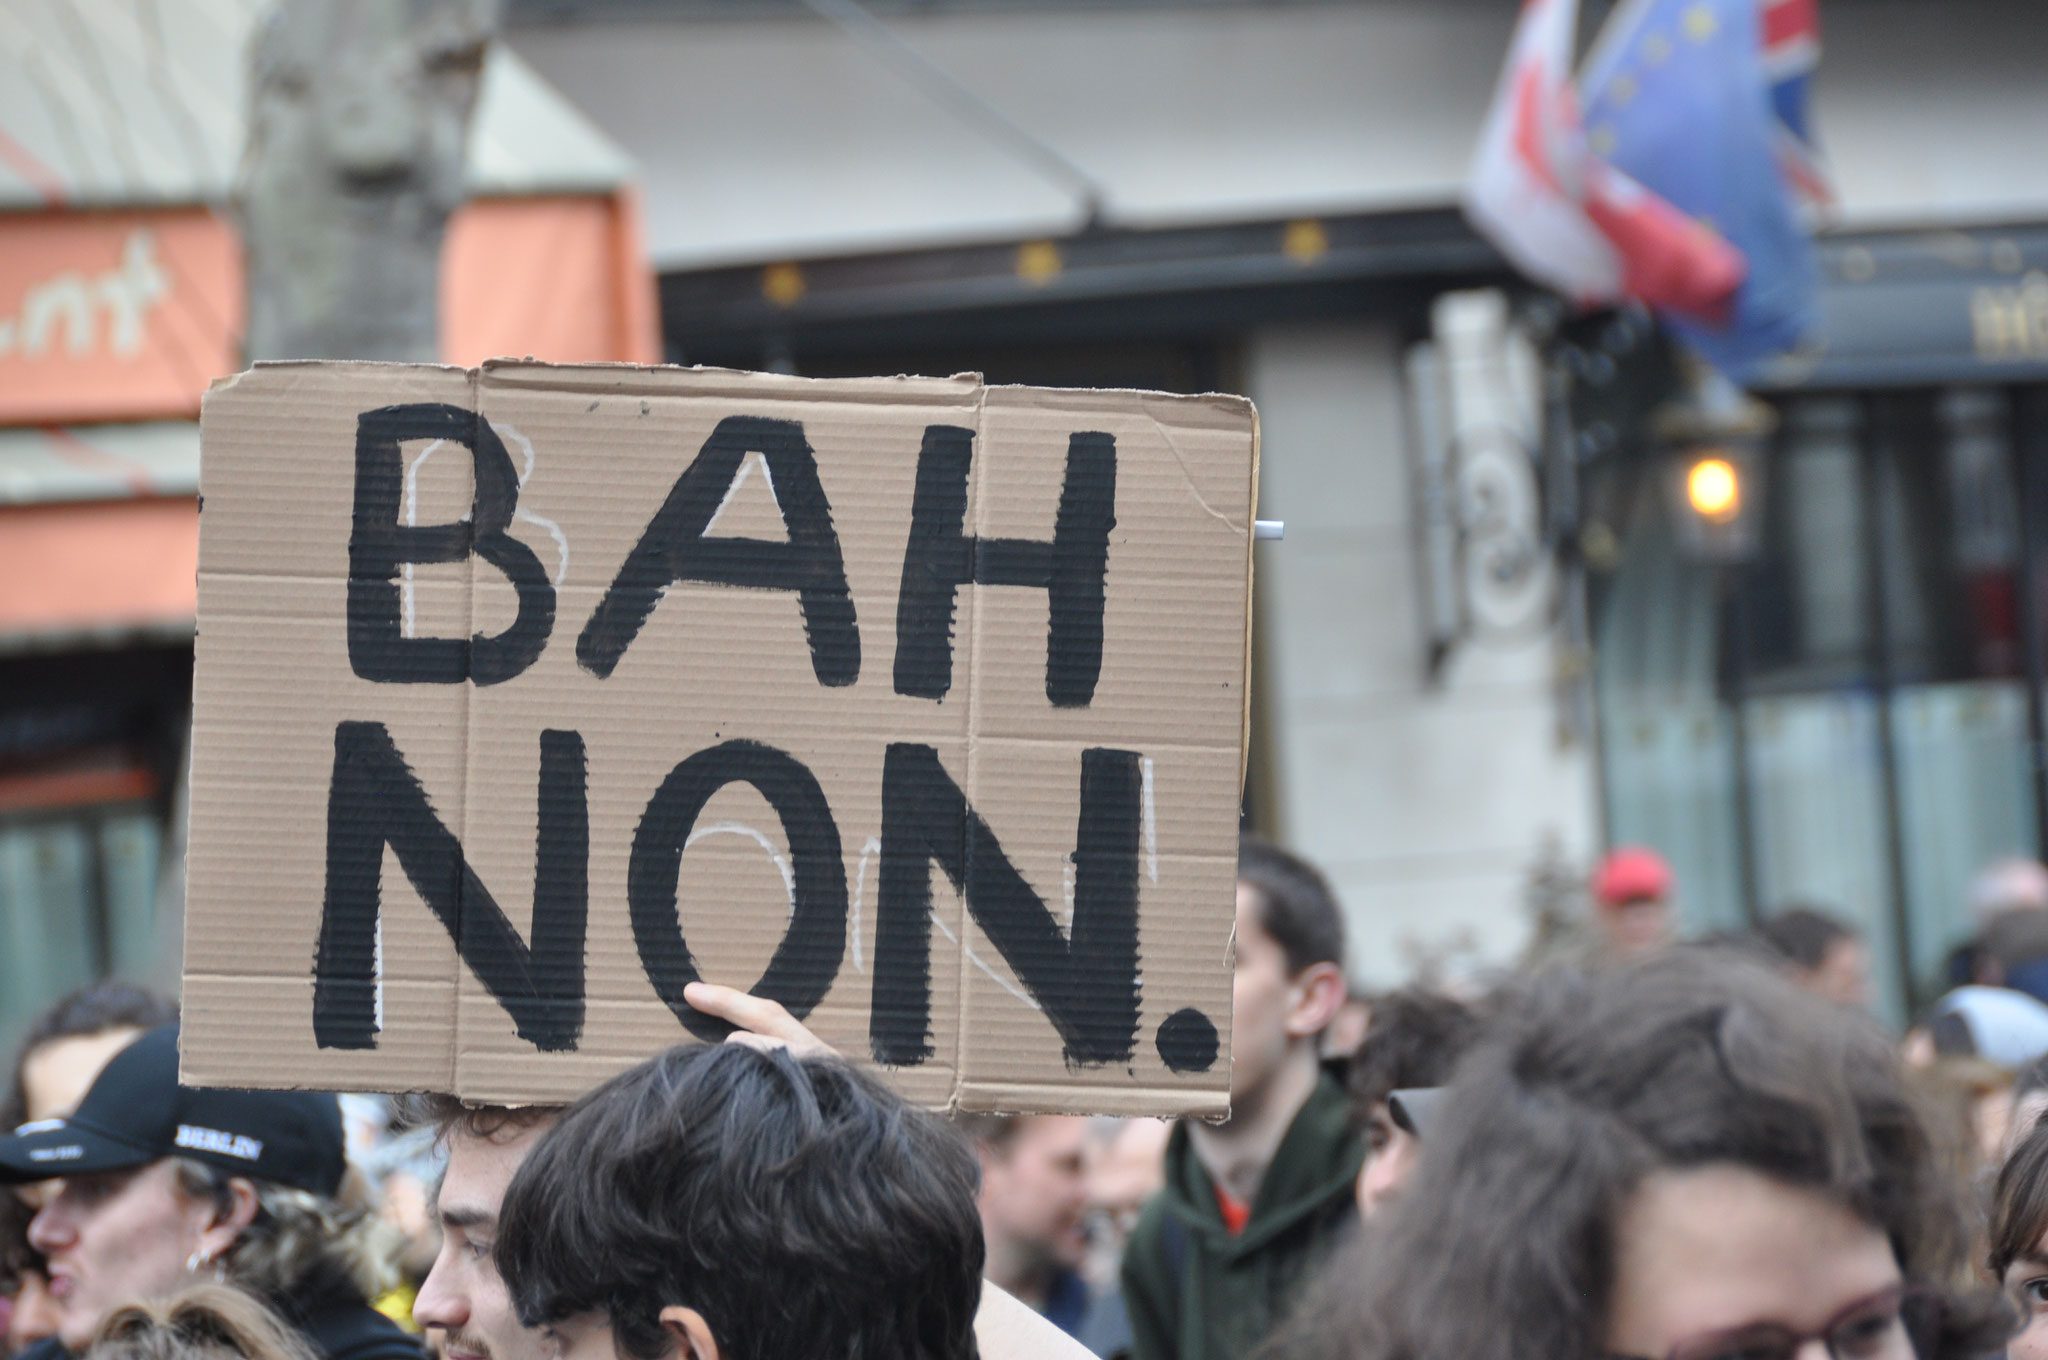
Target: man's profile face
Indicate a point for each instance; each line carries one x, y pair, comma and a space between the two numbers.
1262, 994
463, 1295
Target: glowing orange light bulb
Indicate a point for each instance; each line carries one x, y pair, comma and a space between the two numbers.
1713, 489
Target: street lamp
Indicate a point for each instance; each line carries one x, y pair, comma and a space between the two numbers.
1712, 439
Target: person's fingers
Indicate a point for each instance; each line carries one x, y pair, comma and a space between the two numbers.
751, 1040
754, 1015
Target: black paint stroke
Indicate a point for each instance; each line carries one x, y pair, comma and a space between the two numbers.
1086, 979
674, 548
808, 957
374, 799
378, 545
941, 556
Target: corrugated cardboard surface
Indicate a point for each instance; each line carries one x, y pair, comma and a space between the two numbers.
598, 449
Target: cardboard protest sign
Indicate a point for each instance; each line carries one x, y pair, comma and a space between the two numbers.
528, 694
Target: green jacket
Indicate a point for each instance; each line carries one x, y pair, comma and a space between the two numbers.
1197, 1293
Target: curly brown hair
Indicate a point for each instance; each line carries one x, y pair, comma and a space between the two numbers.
205, 1322
302, 1245
1585, 1085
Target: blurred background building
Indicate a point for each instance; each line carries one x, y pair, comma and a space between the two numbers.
1492, 641
1262, 197
121, 298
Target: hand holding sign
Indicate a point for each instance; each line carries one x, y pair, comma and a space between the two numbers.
757, 1022
915, 706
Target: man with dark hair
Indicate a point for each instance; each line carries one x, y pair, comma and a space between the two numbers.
725, 1203
1415, 1041
1034, 1205
1822, 952
1252, 1206
463, 1300
465, 1297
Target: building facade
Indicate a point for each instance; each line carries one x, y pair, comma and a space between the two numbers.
1261, 197
121, 299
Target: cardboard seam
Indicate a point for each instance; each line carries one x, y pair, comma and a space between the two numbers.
964, 923
455, 1037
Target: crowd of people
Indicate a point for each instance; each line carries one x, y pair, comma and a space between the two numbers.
1631, 1148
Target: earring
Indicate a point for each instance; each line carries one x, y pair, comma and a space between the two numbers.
198, 1261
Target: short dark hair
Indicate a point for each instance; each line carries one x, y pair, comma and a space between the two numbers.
807, 1212
1802, 935
2019, 1202
1296, 906
1415, 1039
1584, 1085
95, 1008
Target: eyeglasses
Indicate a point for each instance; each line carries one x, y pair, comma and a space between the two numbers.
1899, 1323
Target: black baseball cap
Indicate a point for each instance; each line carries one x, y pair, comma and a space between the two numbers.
137, 1113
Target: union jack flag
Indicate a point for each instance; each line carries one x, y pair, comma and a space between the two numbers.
1791, 49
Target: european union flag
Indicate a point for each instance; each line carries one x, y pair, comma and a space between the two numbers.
1674, 96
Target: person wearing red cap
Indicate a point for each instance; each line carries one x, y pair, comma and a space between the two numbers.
1632, 894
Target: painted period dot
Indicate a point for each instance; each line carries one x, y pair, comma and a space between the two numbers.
1187, 1041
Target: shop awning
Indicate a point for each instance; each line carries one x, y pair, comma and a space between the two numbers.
99, 534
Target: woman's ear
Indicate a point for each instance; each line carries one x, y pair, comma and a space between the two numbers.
229, 1222
692, 1333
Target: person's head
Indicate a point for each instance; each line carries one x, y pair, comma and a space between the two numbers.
1034, 1191
1632, 900
1671, 1153
2008, 885
723, 1201
1126, 1168
1416, 1039
204, 1322
69, 1043
2012, 951
1821, 952
60, 1055
463, 1297
1289, 981
2018, 1239
164, 1183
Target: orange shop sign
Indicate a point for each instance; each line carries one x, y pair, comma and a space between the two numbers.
115, 315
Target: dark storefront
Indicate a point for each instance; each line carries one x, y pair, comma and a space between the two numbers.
1838, 711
